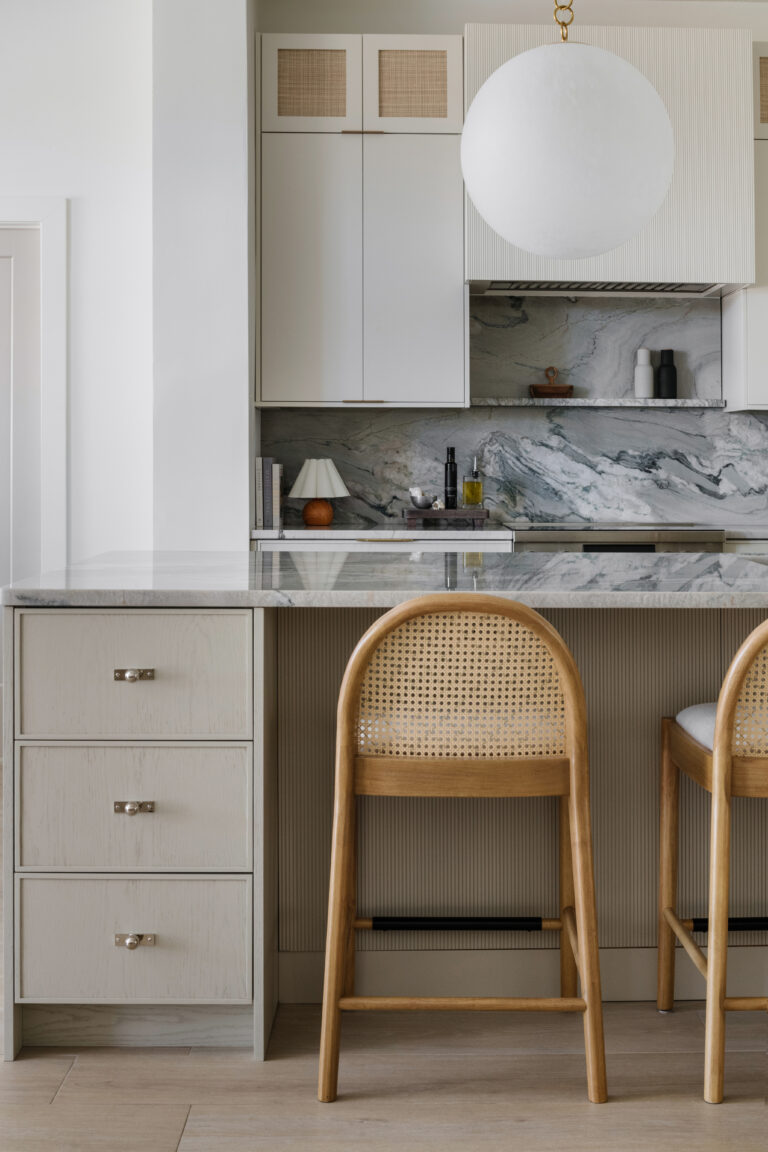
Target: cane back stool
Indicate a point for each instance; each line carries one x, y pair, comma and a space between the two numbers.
723, 747
464, 695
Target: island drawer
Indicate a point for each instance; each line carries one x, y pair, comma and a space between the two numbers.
71, 930
134, 674
195, 812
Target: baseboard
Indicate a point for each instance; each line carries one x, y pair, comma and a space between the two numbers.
627, 974
137, 1025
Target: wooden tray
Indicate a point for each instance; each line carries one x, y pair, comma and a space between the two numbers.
475, 515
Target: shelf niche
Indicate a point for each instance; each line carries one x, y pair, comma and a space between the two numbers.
593, 343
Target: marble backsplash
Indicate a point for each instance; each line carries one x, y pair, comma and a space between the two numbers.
592, 342
706, 466
643, 464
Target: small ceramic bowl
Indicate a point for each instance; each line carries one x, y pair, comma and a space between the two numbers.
422, 501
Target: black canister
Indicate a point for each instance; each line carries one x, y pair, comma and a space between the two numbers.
666, 376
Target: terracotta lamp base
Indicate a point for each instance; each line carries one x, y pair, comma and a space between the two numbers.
317, 513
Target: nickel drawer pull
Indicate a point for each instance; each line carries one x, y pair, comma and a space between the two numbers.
132, 675
133, 807
131, 940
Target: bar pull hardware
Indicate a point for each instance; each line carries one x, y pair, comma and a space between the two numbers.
363, 401
133, 940
132, 675
362, 131
133, 807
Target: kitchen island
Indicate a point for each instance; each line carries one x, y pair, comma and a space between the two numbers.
237, 719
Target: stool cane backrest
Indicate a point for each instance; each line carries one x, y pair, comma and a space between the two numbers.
741, 727
462, 676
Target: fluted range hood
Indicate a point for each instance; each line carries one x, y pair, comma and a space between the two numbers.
589, 288
701, 242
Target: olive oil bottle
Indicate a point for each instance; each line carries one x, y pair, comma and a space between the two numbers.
472, 491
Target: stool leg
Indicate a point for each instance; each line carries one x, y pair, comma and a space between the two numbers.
349, 959
340, 913
586, 923
669, 824
717, 951
568, 973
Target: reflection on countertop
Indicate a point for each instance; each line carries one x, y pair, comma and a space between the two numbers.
341, 579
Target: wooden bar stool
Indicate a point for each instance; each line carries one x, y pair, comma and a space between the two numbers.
464, 695
724, 748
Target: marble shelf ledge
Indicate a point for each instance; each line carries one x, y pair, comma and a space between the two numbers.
586, 402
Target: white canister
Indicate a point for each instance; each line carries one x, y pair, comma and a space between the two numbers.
644, 375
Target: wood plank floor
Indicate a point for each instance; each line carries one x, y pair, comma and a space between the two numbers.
407, 1082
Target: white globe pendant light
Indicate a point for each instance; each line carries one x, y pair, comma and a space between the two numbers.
567, 150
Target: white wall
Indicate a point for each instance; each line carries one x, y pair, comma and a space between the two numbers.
452, 15
75, 121
203, 209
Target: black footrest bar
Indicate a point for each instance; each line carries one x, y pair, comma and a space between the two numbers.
457, 923
735, 924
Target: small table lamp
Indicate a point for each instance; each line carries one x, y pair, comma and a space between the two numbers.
317, 481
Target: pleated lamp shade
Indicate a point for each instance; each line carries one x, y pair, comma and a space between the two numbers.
318, 481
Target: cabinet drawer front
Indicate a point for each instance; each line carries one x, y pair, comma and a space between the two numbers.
66, 928
201, 664
200, 793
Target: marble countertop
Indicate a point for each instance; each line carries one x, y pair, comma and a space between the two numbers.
349, 579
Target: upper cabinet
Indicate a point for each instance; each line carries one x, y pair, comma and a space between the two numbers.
311, 84
362, 222
412, 84
745, 313
704, 232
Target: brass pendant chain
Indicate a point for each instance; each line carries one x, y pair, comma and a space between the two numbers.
564, 16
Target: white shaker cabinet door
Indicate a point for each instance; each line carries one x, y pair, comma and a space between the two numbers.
311, 83
413, 277
413, 84
311, 268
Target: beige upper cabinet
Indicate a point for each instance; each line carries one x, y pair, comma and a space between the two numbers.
745, 313
311, 83
362, 222
412, 84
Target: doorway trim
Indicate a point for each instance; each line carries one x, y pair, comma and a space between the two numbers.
49, 214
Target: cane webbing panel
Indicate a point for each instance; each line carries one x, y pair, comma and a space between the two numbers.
311, 82
464, 684
413, 82
750, 725
764, 89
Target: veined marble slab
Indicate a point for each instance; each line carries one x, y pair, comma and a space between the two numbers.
592, 342
563, 464
340, 579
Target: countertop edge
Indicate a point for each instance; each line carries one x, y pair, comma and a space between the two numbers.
620, 598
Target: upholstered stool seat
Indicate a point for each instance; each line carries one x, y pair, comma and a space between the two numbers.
699, 721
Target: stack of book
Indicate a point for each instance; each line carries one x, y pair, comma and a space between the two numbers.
269, 483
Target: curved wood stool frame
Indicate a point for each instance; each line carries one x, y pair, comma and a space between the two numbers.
499, 774
729, 769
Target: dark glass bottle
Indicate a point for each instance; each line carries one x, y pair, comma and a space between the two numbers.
450, 479
666, 376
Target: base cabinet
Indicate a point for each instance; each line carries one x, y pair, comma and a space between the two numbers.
139, 864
